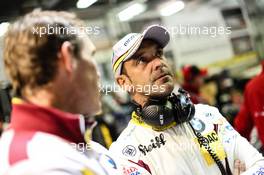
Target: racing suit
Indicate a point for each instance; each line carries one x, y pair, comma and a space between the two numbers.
43, 141
176, 150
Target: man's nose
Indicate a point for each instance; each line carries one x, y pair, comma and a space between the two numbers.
157, 64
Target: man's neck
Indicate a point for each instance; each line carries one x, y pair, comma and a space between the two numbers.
143, 99
140, 99
41, 97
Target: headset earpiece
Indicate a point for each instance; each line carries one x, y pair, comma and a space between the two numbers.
162, 113
183, 105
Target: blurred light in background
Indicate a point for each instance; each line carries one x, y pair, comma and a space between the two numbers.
131, 11
3, 28
171, 8
84, 3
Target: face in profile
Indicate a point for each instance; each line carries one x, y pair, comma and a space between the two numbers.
149, 69
86, 81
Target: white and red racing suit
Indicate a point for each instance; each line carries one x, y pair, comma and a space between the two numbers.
176, 150
47, 141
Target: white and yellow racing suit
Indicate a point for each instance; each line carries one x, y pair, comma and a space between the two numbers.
176, 150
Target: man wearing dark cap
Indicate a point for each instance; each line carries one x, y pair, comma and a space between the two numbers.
167, 134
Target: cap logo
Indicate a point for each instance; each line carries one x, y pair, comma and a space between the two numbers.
122, 57
128, 40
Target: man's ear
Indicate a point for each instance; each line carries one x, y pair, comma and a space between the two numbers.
66, 57
124, 82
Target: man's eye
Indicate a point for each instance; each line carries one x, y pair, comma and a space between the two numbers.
140, 60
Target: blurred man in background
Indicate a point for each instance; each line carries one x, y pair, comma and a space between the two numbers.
55, 79
252, 110
193, 81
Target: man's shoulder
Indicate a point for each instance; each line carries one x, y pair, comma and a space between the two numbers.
207, 116
54, 167
206, 112
30, 145
47, 153
125, 146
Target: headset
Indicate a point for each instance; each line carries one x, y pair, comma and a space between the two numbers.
161, 113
